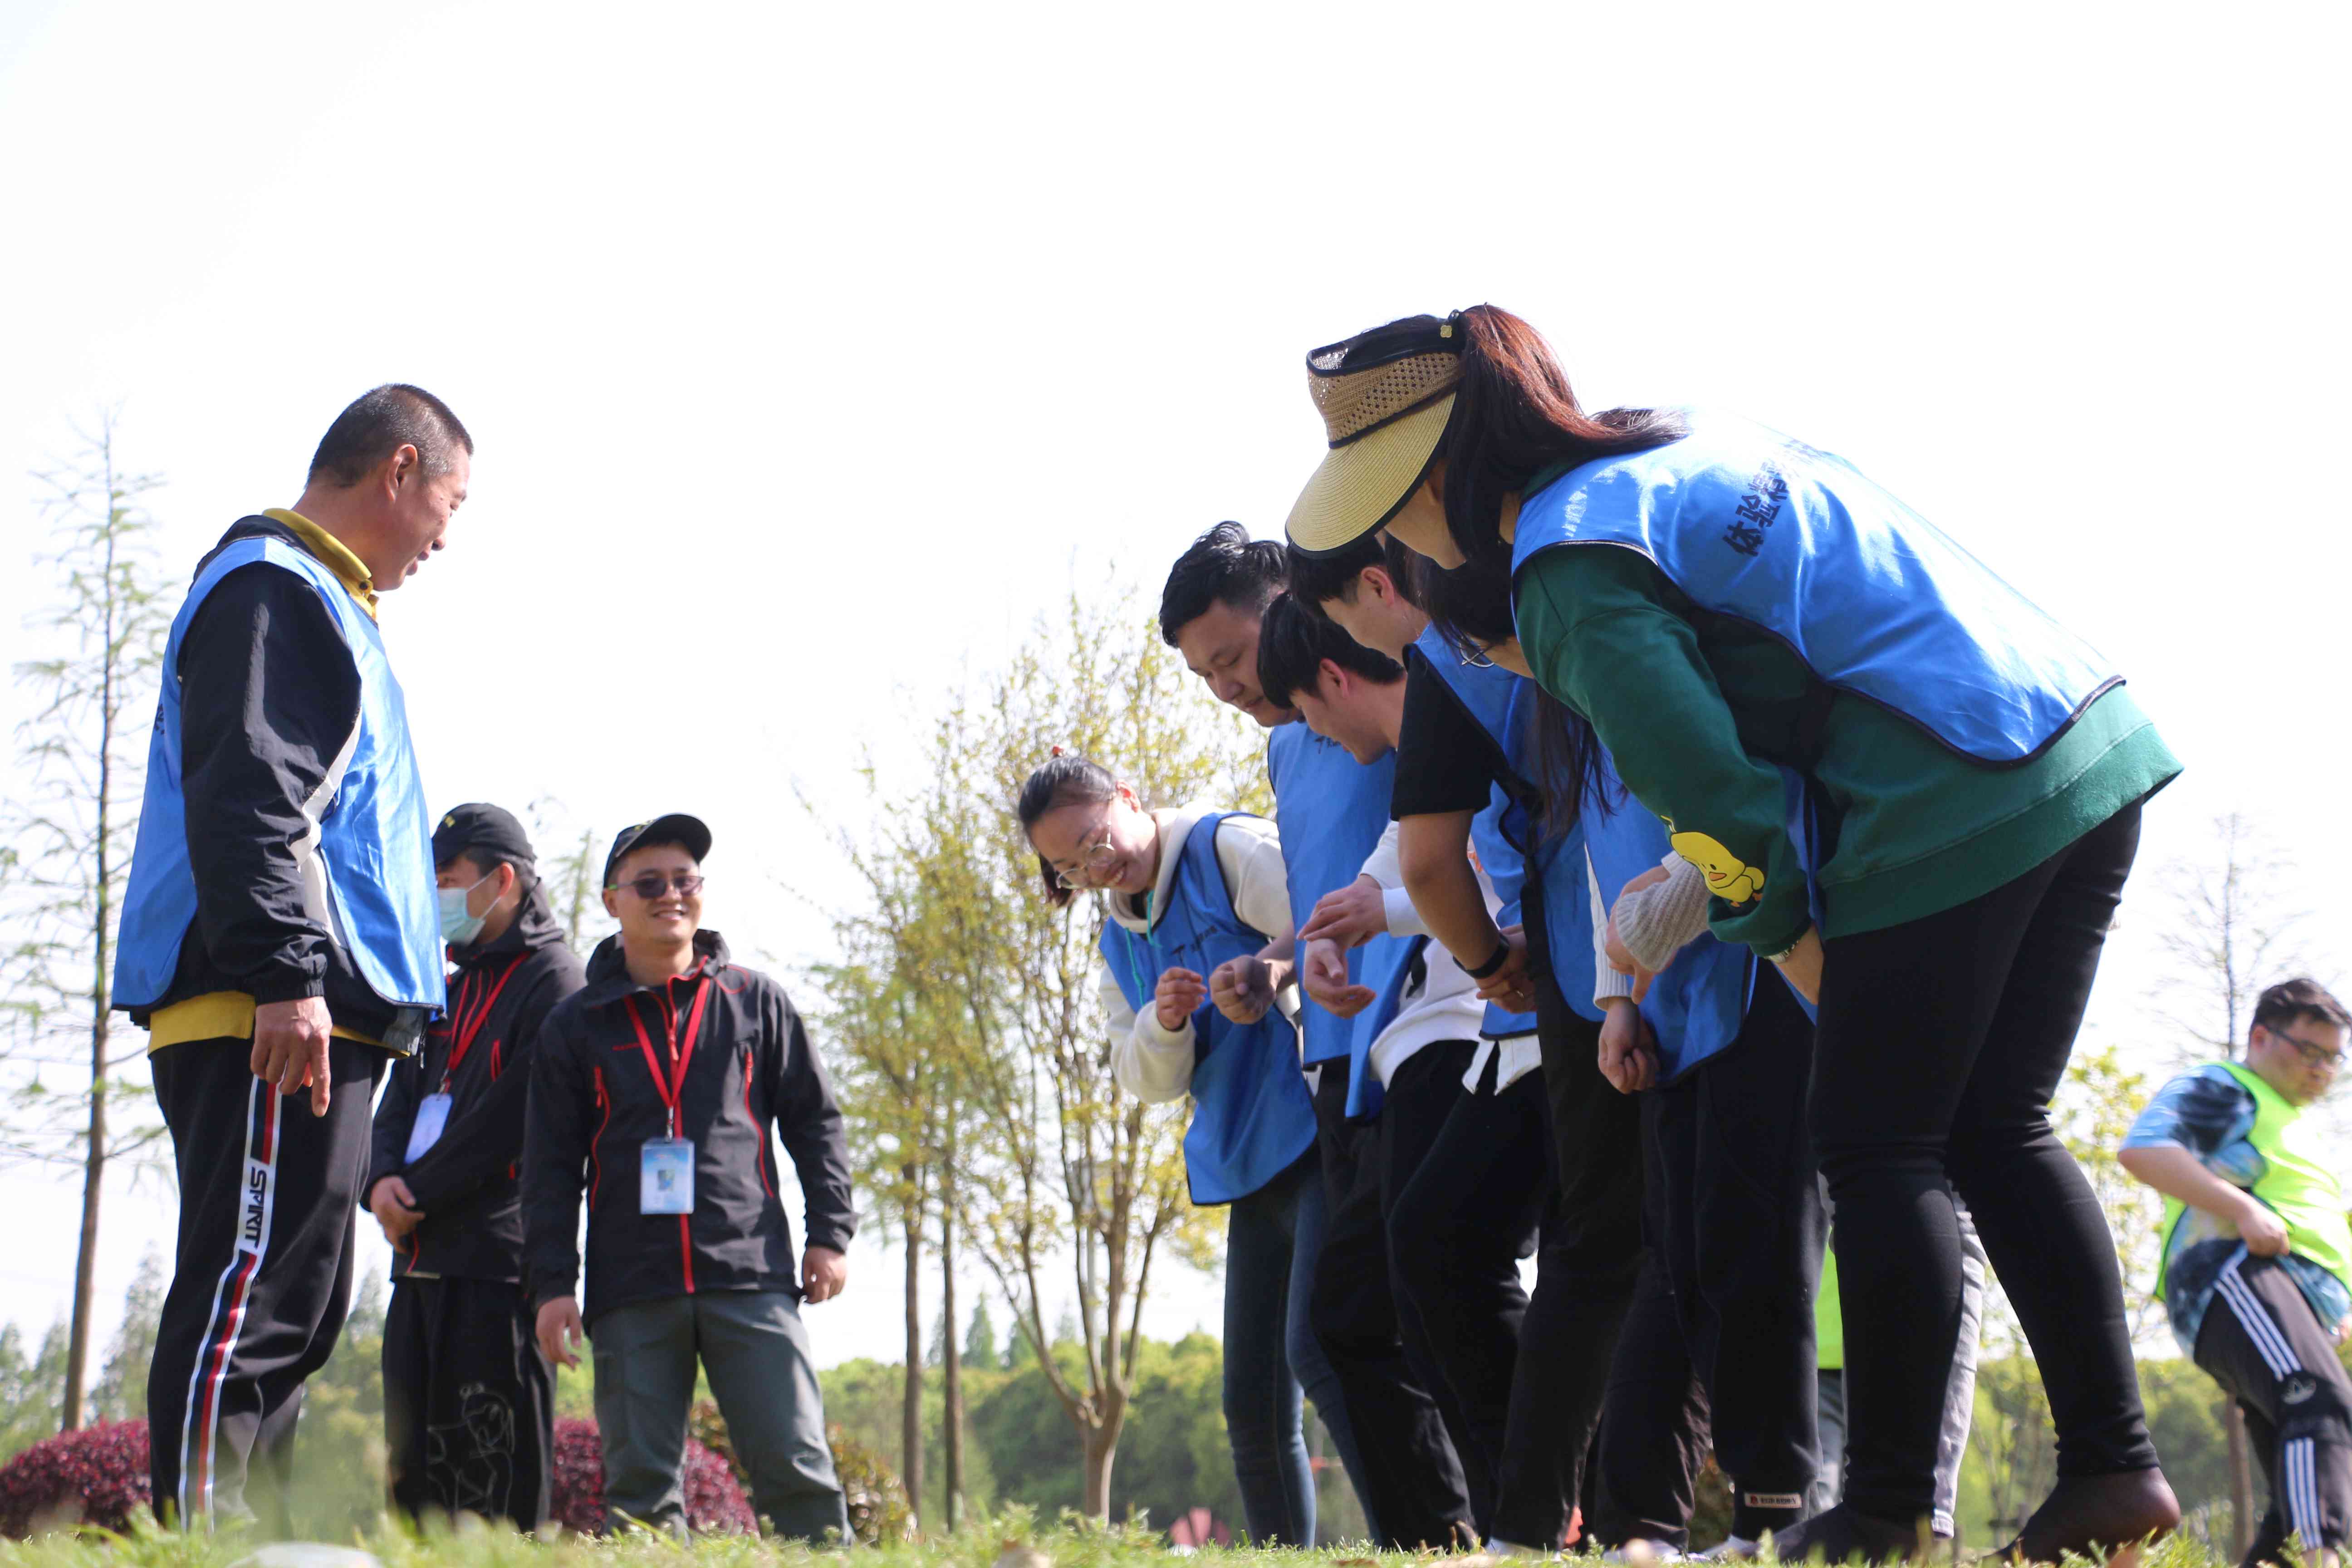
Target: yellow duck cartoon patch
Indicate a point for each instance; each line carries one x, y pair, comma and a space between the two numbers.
1728, 876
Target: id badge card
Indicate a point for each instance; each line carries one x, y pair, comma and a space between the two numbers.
432, 1116
666, 1176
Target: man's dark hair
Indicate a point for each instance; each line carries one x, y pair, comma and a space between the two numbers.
1292, 645
2291, 1001
1319, 579
380, 423
1223, 566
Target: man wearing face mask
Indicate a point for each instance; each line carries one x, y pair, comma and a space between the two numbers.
468, 1399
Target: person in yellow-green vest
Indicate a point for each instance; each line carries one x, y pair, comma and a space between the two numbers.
2257, 1270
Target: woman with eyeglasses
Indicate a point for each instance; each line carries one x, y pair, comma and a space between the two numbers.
1722, 603
1195, 981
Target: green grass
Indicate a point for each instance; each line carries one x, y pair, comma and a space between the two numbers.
1010, 1541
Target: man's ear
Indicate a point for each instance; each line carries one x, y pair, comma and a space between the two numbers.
611, 903
508, 879
1330, 681
403, 465
1375, 581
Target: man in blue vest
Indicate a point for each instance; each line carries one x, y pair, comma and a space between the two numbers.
2256, 1272
1330, 811
280, 935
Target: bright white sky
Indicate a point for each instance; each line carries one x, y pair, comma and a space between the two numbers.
811, 349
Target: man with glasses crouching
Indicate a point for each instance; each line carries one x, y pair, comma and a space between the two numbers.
2256, 1272
654, 1090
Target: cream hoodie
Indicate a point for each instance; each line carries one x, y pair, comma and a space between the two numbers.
1148, 1061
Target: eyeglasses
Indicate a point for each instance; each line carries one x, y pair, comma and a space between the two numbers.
2317, 1055
653, 885
1095, 856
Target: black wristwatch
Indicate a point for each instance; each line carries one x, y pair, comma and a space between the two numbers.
1502, 956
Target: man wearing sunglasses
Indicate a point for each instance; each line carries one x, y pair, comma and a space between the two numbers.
2256, 1272
654, 1089
468, 1401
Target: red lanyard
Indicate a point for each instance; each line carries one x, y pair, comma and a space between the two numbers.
463, 1029
673, 1088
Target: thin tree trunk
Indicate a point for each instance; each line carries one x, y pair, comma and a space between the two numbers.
910, 1418
93, 1181
951, 1418
2241, 1478
1101, 1449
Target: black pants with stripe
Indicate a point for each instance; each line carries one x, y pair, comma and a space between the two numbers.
468, 1402
2265, 1345
262, 1273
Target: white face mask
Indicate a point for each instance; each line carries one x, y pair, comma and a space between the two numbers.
459, 927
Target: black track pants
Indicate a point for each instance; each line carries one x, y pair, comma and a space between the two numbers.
1455, 1234
1940, 1044
2266, 1346
1741, 1230
468, 1402
1417, 1490
262, 1271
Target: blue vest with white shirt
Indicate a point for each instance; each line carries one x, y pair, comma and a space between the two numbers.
1873, 598
368, 872
1251, 1114
1330, 811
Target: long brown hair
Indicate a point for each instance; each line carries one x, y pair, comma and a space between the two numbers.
1514, 416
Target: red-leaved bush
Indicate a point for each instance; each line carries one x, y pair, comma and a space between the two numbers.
715, 1505
95, 1475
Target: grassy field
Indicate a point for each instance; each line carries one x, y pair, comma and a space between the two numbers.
1012, 1541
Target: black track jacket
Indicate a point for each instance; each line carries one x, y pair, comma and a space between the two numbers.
594, 1101
466, 1183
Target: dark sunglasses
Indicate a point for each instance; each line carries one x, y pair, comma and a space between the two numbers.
653, 884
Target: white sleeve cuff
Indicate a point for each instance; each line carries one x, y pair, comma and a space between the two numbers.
1607, 984
1403, 919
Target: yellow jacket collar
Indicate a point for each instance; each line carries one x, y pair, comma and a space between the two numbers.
332, 552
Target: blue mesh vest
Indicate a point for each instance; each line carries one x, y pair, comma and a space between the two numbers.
1519, 859
1330, 811
1873, 598
369, 876
1251, 1113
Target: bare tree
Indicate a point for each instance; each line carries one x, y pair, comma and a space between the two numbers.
83, 751
2230, 937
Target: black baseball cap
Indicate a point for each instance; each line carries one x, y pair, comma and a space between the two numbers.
676, 828
479, 825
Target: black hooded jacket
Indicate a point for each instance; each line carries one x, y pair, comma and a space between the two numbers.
466, 1185
595, 1102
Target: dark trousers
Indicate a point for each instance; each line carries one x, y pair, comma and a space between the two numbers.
468, 1402
1723, 1329
756, 1352
1654, 1434
1272, 1238
261, 1273
1593, 1242
1940, 1044
1414, 1476
1458, 1228
2268, 1350
1741, 1240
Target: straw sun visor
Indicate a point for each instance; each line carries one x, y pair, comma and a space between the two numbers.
1384, 409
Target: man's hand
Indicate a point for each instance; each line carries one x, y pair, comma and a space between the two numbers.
290, 1047
1512, 985
559, 1329
1325, 977
1179, 995
1803, 967
824, 1274
1243, 988
395, 1207
1350, 916
1629, 1051
2263, 1232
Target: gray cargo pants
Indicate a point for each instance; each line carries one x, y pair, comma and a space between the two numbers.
756, 1351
